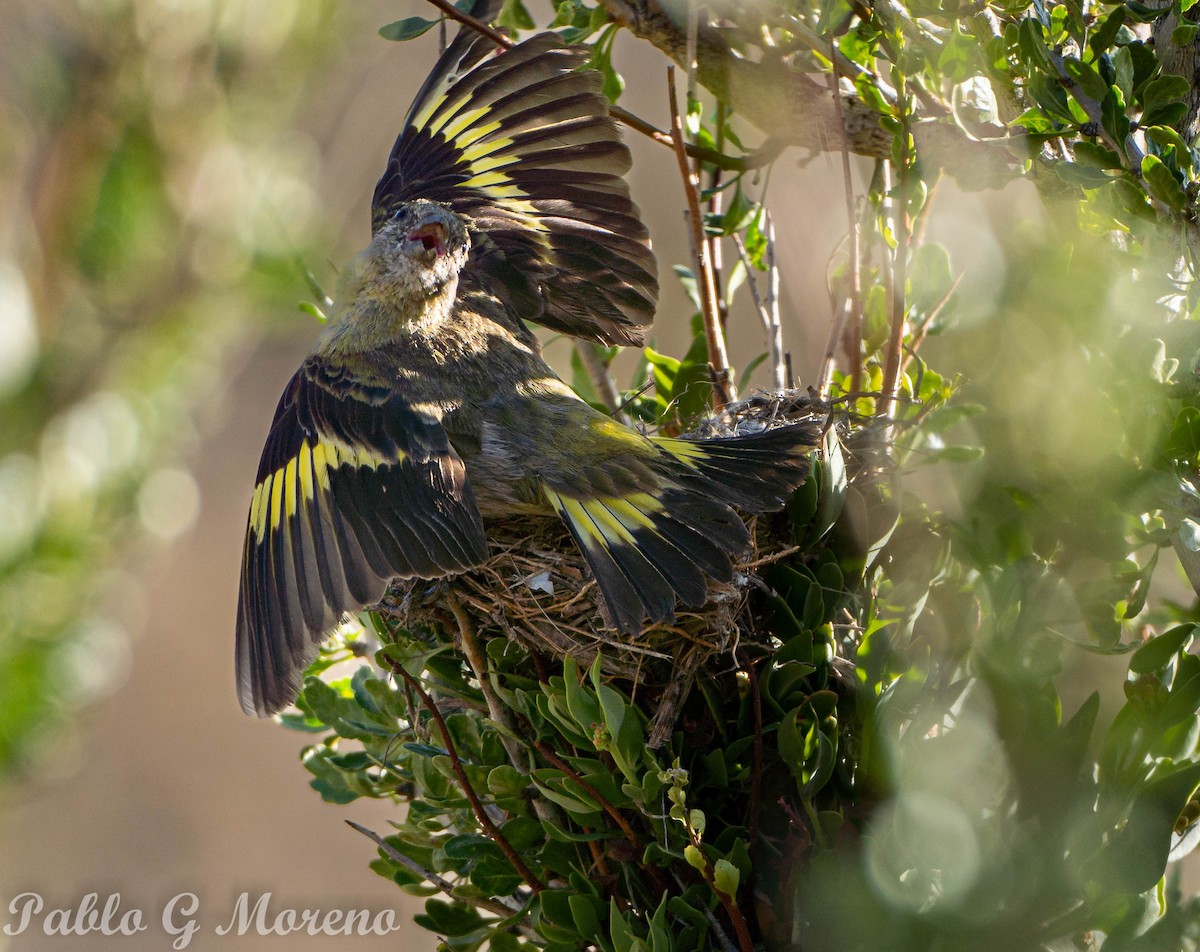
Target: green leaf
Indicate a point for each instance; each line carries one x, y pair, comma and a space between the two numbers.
585, 913
314, 311
1164, 88
694, 857
619, 929
1166, 114
1181, 704
1185, 33
957, 454
1183, 441
506, 781
513, 16
1112, 114
1141, 12
1158, 652
1162, 183
726, 878
740, 213
407, 29
1167, 138
1102, 37
1097, 156
1086, 77
1137, 854
1031, 42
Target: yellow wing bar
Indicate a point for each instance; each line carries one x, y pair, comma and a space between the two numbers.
279, 495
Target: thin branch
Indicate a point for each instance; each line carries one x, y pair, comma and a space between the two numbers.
766, 154
773, 298
900, 225
768, 309
476, 658
460, 772
474, 23
718, 930
921, 331
559, 764
851, 308
497, 905
740, 928
714, 209
714, 337
693, 34
602, 381
1095, 112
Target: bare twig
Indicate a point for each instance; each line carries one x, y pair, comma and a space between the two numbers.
477, 807
602, 381
715, 338
900, 225
559, 764
498, 905
474, 23
473, 651
772, 301
693, 34
730, 163
851, 307
768, 308
922, 330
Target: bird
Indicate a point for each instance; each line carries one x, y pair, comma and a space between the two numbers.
426, 408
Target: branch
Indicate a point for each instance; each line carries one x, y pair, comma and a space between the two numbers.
768, 309
851, 306
718, 358
1129, 148
497, 905
778, 97
477, 807
559, 764
476, 658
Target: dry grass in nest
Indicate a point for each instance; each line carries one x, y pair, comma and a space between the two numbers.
536, 589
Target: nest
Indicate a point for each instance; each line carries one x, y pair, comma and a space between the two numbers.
537, 590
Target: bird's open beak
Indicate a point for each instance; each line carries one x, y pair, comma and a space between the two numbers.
432, 236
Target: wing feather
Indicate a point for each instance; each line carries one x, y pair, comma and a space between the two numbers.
520, 144
354, 489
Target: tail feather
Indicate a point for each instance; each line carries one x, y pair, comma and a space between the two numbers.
755, 472
654, 546
648, 551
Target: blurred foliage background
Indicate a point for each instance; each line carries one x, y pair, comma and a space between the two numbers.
157, 197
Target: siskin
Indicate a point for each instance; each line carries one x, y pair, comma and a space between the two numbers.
427, 407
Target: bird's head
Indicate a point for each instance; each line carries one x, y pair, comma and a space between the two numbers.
422, 247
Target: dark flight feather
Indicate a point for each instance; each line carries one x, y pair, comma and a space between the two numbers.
521, 145
649, 547
349, 494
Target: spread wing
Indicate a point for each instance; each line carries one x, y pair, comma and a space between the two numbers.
354, 488
521, 144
